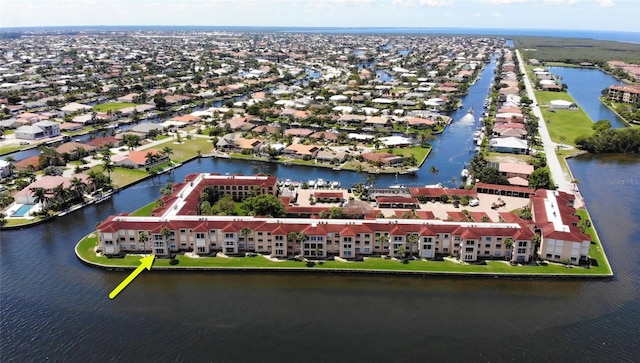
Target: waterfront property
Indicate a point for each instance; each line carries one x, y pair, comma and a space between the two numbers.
175, 227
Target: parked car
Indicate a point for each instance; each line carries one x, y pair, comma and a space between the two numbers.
474, 203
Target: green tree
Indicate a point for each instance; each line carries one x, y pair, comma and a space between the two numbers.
40, 197
382, 240
412, 240
108, 166
167, 151
509, 243
264, 205
540, 179
78, 187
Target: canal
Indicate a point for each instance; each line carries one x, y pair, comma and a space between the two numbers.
585, 86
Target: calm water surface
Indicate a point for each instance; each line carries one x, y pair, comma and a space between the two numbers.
585, 86
55, 308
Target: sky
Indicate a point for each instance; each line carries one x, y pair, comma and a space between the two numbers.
614, 15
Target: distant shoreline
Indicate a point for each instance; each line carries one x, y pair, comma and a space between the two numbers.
608, 35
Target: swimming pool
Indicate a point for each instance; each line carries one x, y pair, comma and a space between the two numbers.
23, 210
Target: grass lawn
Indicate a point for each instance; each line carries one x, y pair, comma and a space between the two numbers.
121, 177
596, 251
567, 123
419, 152
112, 106
12, 222
10, 148
144, 211
187, 149
85, 250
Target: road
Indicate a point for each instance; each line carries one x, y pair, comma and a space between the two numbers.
563, 181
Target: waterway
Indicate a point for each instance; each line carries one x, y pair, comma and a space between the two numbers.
52, 307
585, 86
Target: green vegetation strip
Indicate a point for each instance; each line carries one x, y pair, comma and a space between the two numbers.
144, 211
112, 106
563, 125
596, 251
85, 247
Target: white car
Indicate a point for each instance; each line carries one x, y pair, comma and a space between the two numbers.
474, 203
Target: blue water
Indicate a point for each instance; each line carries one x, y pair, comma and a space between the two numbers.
585, 86
24, 209
618, 36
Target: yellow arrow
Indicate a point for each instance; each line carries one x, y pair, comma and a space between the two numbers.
145, 262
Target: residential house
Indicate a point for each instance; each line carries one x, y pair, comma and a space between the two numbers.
38, 130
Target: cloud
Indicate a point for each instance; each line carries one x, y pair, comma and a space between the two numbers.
436, 2
407, 3
606, 3
560, 2
496, 15
500, 2
477, 15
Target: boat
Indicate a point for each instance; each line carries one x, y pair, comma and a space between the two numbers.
464, 174
335, 184
320, 183
311, 183
102, 197
287, 182
470, 110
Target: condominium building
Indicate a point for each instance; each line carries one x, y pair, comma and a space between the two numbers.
624, 94
176, 227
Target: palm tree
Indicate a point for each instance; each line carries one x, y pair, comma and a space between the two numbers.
78, 186
167, 151
301, 238
508, 243
370, 180
40, 196
433, 170
143, 237
108, 166
10, 160
297, 237
381, 240
151, 157
60, 193
412, 239
245, 232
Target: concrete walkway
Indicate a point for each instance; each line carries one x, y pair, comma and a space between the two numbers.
559, 177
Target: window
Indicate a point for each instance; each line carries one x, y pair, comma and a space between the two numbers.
522, 244
488, 239
201, 250
469, 249
159, 251
522, 250
200, 235
427, 239
141, 246
132, 246
228, 235
159, 243
470, 243
468, 257
548, 255
487, 246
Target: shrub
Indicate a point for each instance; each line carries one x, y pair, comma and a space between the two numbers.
174, 261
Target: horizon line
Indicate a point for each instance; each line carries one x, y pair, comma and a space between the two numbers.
309, 27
